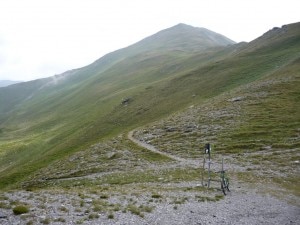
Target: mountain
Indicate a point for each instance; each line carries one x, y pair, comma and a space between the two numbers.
171, 45
50, 119
4, 83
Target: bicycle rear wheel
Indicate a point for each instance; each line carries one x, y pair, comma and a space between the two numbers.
223, 186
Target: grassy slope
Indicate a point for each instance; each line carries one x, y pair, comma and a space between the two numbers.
269, 135
51, 126
259, 132
69, 121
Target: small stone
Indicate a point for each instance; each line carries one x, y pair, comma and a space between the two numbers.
88, 200
2, 216
236, 99
42, 217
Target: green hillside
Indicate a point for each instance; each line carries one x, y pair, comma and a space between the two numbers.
49, 119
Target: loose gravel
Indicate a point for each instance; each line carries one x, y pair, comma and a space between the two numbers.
241, 206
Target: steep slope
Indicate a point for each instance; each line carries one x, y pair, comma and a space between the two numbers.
68, 115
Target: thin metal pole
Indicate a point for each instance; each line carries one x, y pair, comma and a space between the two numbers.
203, 170
222, 164
208, 170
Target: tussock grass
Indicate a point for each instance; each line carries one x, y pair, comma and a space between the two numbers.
20, 209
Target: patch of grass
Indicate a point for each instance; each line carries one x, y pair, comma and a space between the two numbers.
219, 197
80, 221
208, 198
93, 216
110, 216
180, 200
146, 208
4, 205
45, 221
81, 203
60, 219
156, 196
134, 209
139, 210
116, 207
20, 209
98, 208
291, 183
104, 196
3, 197
63, 209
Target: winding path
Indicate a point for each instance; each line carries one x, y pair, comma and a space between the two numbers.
153, 149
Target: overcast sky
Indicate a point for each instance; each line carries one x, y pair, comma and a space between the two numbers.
41, 38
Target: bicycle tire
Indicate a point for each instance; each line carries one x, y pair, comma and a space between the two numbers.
223, 187
227, 184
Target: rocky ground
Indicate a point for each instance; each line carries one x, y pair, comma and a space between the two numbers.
241, 206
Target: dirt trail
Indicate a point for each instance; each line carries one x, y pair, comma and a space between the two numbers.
215, 165
153, 149
179, 161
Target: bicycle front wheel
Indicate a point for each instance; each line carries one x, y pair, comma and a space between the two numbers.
227, 184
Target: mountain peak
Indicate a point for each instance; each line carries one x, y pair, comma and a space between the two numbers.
182, 25
184, 37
